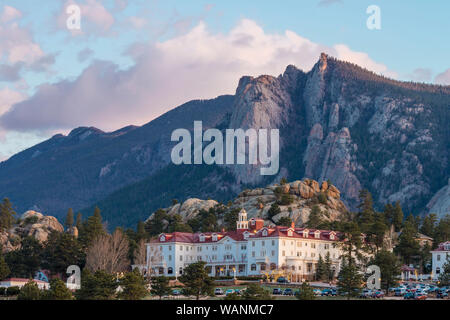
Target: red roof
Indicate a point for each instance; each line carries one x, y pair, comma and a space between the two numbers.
22, 280
442, 246
238, 235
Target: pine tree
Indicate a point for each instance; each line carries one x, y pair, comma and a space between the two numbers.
79, 221
30, 291
196, 280
6, 214
69, 218
160, 287
92, 228
389, 267
429, 224
349, 279
306, 292
320, 270
329, 272
408, 246
4, 269
133, 286
58, 291
315, 218
444, 277
366, 215
397, 217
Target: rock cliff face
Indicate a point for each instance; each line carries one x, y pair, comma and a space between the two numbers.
32, 224
355, 128
440, 203
258, 201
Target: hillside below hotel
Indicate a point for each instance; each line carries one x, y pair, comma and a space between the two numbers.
251, 250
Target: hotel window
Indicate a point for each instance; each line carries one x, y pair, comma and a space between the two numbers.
170, 248
273, 242
283, 253
253, 267
187, 248
299, 244
253, 254
263, 243
243, 247
284, 243
313, 255
326, 246
299, 254
170, 257
438, 257
253, 243
273, 253
181, 248
263, 253
181, 258
313, 245
263, 266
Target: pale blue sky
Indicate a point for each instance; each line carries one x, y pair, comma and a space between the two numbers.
411, 45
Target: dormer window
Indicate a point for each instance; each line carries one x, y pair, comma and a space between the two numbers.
202, 238
214, 237
332, 236
264, 233
246, 234
162, 238
305, 233
290, 233
317, 234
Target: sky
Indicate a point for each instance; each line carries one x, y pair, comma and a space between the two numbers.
133, 60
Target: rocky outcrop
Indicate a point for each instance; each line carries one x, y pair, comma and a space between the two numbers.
440, 203
189, 208
31, 224
257, 202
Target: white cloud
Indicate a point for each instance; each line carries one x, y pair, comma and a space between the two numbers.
16, 43
443, 78
195, 65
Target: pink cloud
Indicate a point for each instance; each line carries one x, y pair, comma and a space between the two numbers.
196, 65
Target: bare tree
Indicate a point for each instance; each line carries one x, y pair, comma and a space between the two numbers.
109, 253
140, 254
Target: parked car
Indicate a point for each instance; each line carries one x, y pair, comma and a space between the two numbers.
408, 295
378, 294
282, 280
277, 291
218, 292
229, 291
288, 292
329, 292
176, 292
442, 295
366, 293
317, 292
399, 292
420, 296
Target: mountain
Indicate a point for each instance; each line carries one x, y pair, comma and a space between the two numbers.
337, 122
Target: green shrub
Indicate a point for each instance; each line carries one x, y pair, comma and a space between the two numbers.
12, 291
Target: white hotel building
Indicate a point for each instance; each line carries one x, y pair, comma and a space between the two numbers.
253, 249
439, 258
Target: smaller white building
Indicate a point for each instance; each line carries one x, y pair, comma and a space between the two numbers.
439, 257
20, 282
